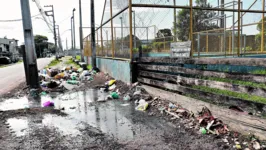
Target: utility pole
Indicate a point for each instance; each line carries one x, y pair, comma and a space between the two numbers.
31, 63
135, 39
52, 11
81, 32
74, 33
59, 39
72, 45
93, 45
66, 45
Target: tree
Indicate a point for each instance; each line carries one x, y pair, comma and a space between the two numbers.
164, 35
41, 43
258, 36
199, 20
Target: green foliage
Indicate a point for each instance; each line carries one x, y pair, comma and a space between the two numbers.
183, 20
53, 63
41, 43
89, 67
70, 62
147, 48
237, 82
244, 96
248, 48
78, 57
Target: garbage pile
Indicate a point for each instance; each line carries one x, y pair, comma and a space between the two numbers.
67, 78
210, 124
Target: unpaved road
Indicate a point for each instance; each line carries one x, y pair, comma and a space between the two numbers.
12, 76
85, 123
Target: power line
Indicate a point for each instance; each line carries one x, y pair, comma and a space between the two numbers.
37, 2
17, 20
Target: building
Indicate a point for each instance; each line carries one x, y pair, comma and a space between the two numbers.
9, 48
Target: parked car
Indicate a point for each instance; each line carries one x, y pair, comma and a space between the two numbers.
5, 60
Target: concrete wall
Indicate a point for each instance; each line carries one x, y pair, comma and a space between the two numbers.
118, 69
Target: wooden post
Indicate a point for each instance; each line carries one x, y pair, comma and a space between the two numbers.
112, 30
230, 44
102, 39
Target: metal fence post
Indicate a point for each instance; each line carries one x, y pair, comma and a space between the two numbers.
29, 45
130, 29
191, 27
262, 27
238, 38
112, 30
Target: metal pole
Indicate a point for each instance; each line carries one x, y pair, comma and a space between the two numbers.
74, 32
102, 40
224, 21
175, 32
66, 44
262, 26
122, 36
112, 29
72, 42
93, 35
130, 30
207, 42
222, 14
29, 45
135, 40
198, 41
241, 39
191, 28
81, 32
233, 33
55, 39
147, 34
238, 50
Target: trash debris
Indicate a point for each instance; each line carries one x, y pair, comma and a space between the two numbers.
112, 87
125, 104
111, 82
48, 104
238, 146
236, 108
143, 105
126, 98
114, 95
43, 93
256, 145
137, 93
203, 131
73, 82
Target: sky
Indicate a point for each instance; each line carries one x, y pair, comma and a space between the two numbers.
145, 17
10, 10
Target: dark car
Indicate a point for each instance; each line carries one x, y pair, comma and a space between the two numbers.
5, 60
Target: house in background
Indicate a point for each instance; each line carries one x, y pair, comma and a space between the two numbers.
9, 48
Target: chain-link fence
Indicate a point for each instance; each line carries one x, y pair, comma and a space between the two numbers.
215, 27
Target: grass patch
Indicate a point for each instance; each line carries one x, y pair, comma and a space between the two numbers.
53, 63
78, 57
70, 62
244, 83
244, 96
89, 67
261, 72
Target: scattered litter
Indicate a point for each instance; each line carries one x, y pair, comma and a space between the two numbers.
111, 82
256, 145
126, 98
112, 87
114, 95
143, 105
43, 93
48, 104
137, 93
73, 82
238, 146
125, 104
203, 131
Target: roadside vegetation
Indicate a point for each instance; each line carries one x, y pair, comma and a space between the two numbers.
53, 63
244, 96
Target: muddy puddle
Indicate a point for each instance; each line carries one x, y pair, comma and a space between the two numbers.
84, 107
